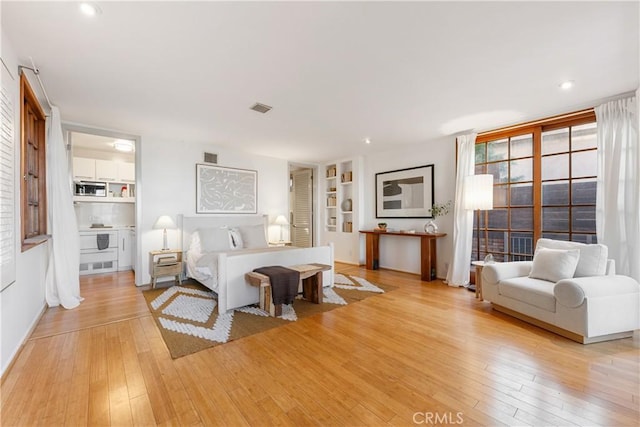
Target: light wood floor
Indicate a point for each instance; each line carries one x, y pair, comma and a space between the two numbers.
423, 354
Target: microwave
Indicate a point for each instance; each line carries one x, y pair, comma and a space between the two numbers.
88, 188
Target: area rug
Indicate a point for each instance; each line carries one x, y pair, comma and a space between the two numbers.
189, 322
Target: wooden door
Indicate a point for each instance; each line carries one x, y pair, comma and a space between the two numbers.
301, 217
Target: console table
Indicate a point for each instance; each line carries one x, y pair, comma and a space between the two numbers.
427, 250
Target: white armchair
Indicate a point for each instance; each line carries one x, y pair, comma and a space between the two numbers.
574, 292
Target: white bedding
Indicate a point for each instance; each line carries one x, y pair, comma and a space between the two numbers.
223, 271
204, 267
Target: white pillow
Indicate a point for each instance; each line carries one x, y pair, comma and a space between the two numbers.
593, 257
236, 239
253, 236
195, 248
214, 239
554, 264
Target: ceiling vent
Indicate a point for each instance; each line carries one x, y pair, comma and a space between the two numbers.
261, 108
210, 158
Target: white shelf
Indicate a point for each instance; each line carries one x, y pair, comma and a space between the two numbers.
97, 199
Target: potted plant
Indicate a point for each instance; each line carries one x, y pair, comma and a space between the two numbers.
437, 209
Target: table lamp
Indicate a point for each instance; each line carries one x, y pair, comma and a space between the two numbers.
281, 221
164, 222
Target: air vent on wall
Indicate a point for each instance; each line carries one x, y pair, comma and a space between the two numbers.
210, 158
261, 108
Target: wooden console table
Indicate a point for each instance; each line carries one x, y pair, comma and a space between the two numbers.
427, 250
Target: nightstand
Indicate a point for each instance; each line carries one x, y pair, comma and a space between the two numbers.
165, 263
281, 243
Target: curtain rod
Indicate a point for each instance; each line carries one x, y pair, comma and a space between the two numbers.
36, 71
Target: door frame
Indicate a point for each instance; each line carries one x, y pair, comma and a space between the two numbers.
314, 196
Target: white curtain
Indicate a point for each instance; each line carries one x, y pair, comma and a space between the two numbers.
458, 274
618, 186
62, 279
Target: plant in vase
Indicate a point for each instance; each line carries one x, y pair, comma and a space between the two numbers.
437, 209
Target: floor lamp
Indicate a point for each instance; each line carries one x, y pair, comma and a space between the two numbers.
478, 196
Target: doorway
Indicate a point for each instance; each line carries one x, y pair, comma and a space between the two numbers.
301, 205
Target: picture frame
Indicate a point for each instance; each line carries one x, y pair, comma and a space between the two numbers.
405, 193
224, 190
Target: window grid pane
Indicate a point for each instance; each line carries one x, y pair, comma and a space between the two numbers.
566, 189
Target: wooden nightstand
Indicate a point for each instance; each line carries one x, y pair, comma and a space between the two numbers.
281, 243
165, 263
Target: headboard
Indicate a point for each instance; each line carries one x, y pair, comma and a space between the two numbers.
189, 224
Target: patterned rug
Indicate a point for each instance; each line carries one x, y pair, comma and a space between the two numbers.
188, 318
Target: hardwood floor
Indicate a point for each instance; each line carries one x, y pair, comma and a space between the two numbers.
423, 354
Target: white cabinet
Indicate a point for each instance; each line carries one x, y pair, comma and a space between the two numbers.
84, 169
106, 170
126, 239
126, 172
98, 251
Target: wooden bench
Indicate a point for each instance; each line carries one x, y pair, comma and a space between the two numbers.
310, 277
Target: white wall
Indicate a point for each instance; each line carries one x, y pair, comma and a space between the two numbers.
167, 186
403, 253
22, 302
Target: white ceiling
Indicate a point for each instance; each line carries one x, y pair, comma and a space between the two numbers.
335, 73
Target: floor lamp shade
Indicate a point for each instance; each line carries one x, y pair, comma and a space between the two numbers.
478, 192
164, 222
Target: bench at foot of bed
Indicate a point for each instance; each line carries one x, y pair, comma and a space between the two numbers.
310, 277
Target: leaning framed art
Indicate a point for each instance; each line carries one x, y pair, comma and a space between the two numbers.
405, 193
226, 190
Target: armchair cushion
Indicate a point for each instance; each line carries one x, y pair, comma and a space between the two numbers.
572, 292
593, 257
494, 273
554, 264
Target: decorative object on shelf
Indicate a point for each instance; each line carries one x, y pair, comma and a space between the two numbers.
346, 205
347, 176
405, 193
331, 172
164, 222
281, 221
437, 210
382, 226
225, 190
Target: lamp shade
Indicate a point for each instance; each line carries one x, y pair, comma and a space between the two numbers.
164, 222
478, 192
281, 220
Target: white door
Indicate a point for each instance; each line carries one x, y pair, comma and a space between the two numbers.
302, 208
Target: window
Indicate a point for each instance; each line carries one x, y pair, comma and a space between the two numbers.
544, 185
33, 168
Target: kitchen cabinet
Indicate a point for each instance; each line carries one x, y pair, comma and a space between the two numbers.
126, 172
95, 260
126, 239
84, 169
106, 170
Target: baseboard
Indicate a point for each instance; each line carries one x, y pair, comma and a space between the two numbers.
562, 332
26, 338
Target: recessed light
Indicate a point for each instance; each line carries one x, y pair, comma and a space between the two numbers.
89, 9
367, 141
123, 145
566, 85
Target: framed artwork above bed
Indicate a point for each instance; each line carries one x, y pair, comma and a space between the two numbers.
222, 190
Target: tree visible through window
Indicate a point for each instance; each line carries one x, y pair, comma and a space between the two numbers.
544, 186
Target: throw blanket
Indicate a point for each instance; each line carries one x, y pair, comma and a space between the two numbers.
284, 283
103, 241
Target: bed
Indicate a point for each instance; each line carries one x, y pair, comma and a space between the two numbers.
223, 271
